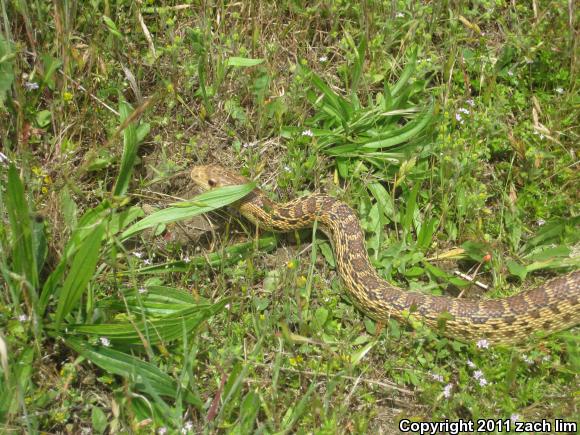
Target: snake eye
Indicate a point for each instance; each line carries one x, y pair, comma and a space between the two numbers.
212, 182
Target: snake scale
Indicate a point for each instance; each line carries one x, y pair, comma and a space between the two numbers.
550, 307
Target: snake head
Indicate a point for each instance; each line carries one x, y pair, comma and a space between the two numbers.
209, 177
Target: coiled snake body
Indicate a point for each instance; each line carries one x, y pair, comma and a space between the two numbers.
550, 307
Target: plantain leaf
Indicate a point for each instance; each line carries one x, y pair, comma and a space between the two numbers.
146, 376
203, 203
243, 62
23, 255
81, 271
130, 147
168, 328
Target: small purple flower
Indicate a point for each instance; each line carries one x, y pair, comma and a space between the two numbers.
482, 344
30, 86
437, 377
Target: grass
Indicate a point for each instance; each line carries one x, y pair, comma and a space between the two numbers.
451, 130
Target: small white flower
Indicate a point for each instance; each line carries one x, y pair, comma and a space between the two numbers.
546, 358
482, 382
187, 427
470, 102
510, 73
437, 377
464, 110
447, 391
400, 15
105, 341
287, 168
23, 318
228, 306
142, 290
560, 90
322, 59
482, 344
471, 364
162, 431
138, 254
307, 133
529, 61
30, 86
515, 417
527, 360
147, 262
459, 118
541, 222
186, 259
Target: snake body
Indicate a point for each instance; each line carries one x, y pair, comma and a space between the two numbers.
551, 307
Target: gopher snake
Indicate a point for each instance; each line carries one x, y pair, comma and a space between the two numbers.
550, 307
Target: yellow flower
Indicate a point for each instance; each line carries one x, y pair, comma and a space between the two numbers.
291, 265
294, 361
67, 96
301, 281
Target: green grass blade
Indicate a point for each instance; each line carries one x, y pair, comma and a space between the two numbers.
226, 257
81, 271
203, 203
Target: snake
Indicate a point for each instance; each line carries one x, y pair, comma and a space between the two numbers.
553, 306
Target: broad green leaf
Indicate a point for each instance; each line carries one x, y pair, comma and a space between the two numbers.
243, 62
357, 356
146, 376
248, 412
410, 205
50, 66
384, 200
203, 203
6, 68
23, 253
418, 125
112, 26
80, 272
150, 300
517, 269
154, 331
130, 147
426, 233
406, 75
83, 229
